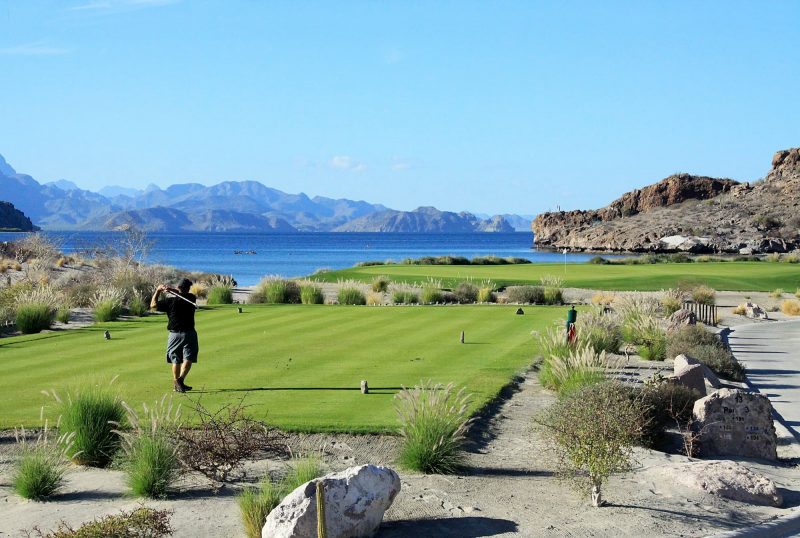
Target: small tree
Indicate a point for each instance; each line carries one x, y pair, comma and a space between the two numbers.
592, 431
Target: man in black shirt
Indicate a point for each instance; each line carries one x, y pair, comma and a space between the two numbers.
182, 346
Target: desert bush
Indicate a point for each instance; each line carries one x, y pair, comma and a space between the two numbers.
91, 414
777, 293
766, 222
704, 295
220, 441
401, 296
274, 290
525, 294
706, 347
33, 318
80, 294
685, 338
141, 522
63, 315
665, 405
220, 294
598, 260
351, 296
797, 293
653, 342
466, 292
434, 419
37, 246
431, 295
671, 301
740, 310
138, 307
311, 294
381, 283
553, 294
199, 290
374, 298
602, 331
791, 307
39, 470
593, 431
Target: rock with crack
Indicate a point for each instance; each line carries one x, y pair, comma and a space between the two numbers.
727, 479
355, 501
691, 377
682, 361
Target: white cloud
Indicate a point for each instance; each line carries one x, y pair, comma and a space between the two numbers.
38, 48
345, 162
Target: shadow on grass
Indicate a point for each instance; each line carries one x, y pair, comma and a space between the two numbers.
372, 390
461, 527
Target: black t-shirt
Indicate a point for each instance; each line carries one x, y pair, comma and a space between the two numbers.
179, 312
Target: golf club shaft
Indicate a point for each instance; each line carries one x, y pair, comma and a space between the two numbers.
180, 297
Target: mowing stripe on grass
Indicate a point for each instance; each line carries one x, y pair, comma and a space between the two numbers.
298, 366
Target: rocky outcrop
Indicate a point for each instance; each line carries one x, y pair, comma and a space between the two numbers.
14, 220
355, 501
685, 213
425, 220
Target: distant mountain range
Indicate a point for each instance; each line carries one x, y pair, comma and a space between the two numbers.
230, 206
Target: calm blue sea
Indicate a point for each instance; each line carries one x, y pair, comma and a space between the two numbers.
300, 254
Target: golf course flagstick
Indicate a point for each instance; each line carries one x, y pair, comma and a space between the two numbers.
181, 297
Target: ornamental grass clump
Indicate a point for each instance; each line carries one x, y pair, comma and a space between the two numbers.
374, 298
311, 294
601, 330
275, 290
791, 307
220, 294
486, 295
466, 292
351, 296
593, 431
706, 347
433, 422
38, 472
431, 294
671, 301
91, 414
581, 366
107, 304
404, 296
381, 284
35, 308
137, 306
704, 295
553, 294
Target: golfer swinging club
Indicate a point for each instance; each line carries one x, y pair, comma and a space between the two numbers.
182, 346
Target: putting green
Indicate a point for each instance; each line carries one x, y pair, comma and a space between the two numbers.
299, 366
732, 276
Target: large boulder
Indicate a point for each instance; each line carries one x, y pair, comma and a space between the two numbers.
727, 479
680, 318
734, 422
691, 377
355, 500
753, 311
683, 361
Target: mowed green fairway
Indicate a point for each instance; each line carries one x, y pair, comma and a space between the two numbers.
299, 366
732, 276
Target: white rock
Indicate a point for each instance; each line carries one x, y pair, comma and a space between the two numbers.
355, 501
682, 361
727, 479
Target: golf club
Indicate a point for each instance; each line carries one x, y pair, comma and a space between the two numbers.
176, 294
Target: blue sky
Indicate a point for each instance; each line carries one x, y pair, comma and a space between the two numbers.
491, 106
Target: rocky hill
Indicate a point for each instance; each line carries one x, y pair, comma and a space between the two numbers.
14, 220
425, 220
689, 213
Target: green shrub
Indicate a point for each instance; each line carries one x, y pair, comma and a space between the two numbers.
220, 295
602, 331
311, 294
598, 260
654, 346
431, 295
91, 414
525, 294
404, 297
255, 504
671, 301
706, 347
351, 296
665, 405
63, 314
107, 311
137, 306
553, 295
579, 378
578, 366
466, 292
434, 419
685, 338
152, 465
380, 284
593, 431
141, 522
301, 470
38, 473
34, 317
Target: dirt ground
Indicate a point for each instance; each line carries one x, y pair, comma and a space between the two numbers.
508, 489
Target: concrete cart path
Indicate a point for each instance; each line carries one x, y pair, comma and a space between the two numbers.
771, 352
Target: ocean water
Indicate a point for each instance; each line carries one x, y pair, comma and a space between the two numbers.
300, 254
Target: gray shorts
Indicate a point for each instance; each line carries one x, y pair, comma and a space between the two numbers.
182, 347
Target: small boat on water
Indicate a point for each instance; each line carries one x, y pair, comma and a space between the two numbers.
244, 252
